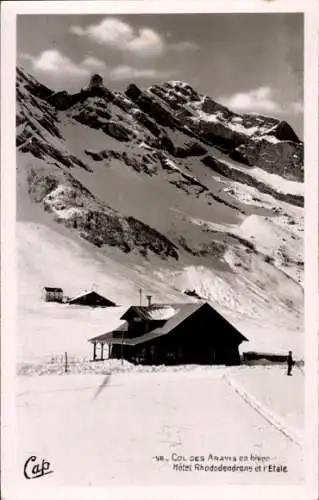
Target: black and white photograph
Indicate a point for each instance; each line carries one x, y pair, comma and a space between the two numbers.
160, 249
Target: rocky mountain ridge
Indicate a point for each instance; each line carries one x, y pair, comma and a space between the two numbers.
78, 152
251, 139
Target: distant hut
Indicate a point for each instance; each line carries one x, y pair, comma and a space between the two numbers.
92, 299
52, 294
172, 334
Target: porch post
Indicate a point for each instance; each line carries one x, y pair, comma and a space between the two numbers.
94, 351
102, 347
122, 347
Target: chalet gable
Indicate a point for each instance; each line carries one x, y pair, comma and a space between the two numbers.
176, 315
92, 299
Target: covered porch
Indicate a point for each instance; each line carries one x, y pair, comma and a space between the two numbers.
102, 344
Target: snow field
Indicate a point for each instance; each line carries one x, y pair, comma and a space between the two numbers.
122, 421
281, 395
275, 181
272, 418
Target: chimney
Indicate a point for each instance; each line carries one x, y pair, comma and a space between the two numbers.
149, 300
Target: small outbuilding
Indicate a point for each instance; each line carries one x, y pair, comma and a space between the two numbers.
92, 299
172, 334
252, 356
52, 294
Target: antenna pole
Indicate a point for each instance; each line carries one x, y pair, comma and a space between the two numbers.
140, 296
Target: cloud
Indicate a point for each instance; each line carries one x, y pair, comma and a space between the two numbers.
128, 72
55, 63
144, 42
260, 100
184, 46
52, 61
115, 33
93, 63
256, 100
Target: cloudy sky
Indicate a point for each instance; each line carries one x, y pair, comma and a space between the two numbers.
249, 62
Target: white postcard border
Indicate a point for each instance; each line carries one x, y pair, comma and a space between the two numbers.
8, 245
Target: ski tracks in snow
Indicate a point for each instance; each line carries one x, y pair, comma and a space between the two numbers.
293, 434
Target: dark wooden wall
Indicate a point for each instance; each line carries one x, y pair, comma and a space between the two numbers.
136, 328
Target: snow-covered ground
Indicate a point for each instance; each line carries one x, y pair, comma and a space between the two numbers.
108, 429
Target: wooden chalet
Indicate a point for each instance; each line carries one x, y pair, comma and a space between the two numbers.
91, 299
52, 294
171, 334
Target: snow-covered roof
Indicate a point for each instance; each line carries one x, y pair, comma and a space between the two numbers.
162, 312
155, 312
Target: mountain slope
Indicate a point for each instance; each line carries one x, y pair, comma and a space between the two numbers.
169, 184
